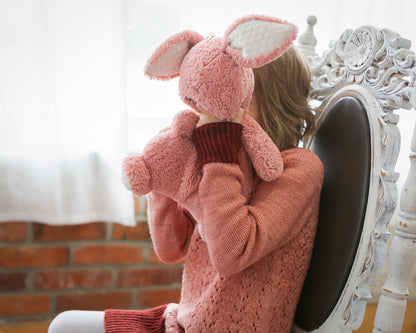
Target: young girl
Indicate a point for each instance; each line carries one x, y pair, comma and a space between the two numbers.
247, 273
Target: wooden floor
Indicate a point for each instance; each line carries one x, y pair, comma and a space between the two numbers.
409, 325
25, 328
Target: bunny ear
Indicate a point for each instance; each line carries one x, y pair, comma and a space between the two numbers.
256, 40
166, 61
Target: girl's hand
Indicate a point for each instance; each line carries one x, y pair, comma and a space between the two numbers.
206, 118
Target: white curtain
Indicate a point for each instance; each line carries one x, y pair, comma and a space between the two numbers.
62, 111
73, 95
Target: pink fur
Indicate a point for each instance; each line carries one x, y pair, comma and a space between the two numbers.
168, 161
253, 143
216, 76
211, 77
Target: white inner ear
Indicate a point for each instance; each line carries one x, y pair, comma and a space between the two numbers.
254, 38
169, 63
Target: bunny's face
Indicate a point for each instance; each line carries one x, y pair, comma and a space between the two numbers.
209, 76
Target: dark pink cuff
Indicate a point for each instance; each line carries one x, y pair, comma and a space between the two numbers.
135, 321
217, 142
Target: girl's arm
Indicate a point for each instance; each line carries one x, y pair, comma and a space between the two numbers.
170, 227
239, 234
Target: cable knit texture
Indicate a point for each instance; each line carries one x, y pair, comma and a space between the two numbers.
247, 255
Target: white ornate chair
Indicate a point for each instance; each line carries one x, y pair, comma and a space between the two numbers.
365, 75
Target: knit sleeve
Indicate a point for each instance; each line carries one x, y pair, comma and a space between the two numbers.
170, 226
239, 234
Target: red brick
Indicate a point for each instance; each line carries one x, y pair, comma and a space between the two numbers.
67, 279
94, 301
90, 231
13, 231
26, 304
33, 256
108, 254
13, 281
155, 297
138, 232
149, 276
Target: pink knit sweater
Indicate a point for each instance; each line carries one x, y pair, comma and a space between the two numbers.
246, 272
247, 258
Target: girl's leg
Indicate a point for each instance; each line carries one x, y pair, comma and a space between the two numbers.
78, 321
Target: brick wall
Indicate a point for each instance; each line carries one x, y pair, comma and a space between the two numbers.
45, 270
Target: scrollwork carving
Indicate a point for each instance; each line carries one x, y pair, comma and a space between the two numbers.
378, 59
360, 50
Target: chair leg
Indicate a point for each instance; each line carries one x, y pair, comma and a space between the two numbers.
402, 257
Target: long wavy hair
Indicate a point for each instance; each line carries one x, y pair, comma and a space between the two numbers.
281, 94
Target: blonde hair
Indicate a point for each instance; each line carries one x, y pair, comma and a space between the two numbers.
281, 93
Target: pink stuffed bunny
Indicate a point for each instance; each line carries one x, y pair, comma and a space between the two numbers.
216, 73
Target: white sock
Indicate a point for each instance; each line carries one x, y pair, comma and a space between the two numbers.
78, 321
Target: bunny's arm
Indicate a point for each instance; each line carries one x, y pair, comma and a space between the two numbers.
161, 164
263, 153
170, 227
136, 175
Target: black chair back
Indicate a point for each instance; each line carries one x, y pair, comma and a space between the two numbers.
343, 143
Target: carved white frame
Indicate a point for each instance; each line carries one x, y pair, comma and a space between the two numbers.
376, 67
